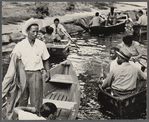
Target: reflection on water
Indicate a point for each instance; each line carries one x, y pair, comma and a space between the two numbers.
88, 62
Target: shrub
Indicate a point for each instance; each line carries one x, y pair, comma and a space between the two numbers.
42, 10
70, 6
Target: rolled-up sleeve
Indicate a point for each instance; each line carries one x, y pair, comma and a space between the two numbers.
45, 54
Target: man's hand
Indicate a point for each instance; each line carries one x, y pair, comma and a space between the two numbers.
47, 76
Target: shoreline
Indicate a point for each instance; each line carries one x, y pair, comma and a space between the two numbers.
12, 28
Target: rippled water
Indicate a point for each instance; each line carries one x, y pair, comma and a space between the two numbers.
88, 60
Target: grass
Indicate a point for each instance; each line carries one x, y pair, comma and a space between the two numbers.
13, 12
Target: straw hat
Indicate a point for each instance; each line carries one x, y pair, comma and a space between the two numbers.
124, 54
30, 22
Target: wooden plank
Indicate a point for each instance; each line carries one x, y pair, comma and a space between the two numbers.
57, 96
61, 97
61, 78
53, 96
64, 98
61, 104
48, 96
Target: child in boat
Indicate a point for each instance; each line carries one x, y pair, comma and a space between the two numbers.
113, 62
49, 37
47, 112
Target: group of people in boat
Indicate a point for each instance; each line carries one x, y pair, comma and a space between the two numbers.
111, 19
24, 77
53, 33
29, 59
99, 20
124, 75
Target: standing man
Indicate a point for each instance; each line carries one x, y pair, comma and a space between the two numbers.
142, 19
34, 56
123, 79
59, 30
139, 25
96, 21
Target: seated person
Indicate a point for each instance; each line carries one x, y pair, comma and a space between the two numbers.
96, 21
113, 56
141, 23
49, 37
113, 62
123, 79
47, 112
112, 17
134, 48
59, 30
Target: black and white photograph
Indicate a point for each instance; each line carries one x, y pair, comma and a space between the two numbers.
74, 60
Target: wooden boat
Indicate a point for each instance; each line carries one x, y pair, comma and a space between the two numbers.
118, 27
123, 107
63, 90
58, 50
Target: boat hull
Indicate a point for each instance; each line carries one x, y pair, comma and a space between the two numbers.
120, 27
123, 107
58, 51
64, 90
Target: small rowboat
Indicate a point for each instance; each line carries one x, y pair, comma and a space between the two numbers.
63, 90
126, 106
118, 27
58, 50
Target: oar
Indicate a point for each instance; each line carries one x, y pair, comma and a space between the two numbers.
68, 36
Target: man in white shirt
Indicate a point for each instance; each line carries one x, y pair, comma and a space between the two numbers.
58, 29
34, 56
96, 21
124, 79
142, 19
139, 25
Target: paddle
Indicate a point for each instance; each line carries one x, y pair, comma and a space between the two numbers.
69, 37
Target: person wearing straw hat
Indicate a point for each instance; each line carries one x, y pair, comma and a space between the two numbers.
34, 56
123, 79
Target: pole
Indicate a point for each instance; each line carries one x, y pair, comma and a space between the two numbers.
68, 36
